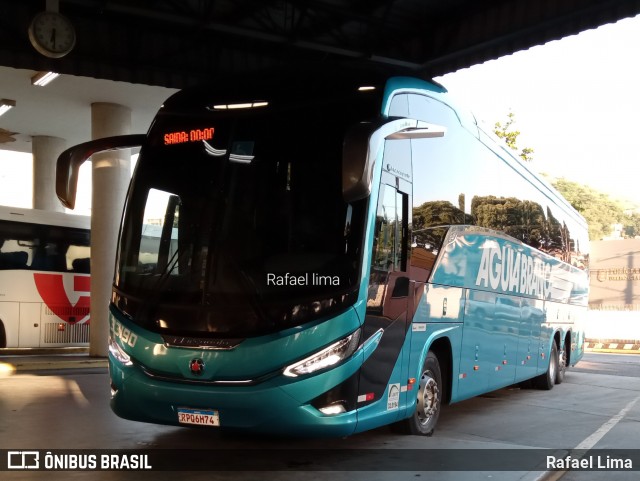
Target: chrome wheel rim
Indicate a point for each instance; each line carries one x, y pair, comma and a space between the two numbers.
428, 396
553, 365
562, 360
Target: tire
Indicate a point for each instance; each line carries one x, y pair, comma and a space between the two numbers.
3, 336
547, 380
424, 419
562, 365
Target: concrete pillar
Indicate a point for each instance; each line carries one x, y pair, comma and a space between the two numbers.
45, 154
111, 172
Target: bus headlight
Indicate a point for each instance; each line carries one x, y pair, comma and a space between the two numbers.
117, 352
327, 357
333, 409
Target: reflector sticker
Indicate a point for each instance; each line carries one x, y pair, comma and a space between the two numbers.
366, 397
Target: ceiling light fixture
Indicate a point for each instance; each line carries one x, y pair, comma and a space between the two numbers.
6, 105
43, 78
248, 105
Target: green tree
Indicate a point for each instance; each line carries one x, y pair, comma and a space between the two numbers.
511, 137
631, 224
598, 208
436, 213
522, 219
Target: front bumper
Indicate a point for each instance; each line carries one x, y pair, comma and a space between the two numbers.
278, 405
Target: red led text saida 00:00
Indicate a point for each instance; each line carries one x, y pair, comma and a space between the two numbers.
182, 137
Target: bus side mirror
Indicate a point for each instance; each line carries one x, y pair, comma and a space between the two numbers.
69, 162
363, 143
356, 166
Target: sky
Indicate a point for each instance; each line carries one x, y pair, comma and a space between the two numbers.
576, 102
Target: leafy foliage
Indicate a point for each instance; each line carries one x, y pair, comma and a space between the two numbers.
632, 225
599, 209
521, 219
511, 137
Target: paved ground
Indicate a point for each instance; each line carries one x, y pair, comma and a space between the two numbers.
598, 406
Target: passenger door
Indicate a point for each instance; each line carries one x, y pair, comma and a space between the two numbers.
384, 374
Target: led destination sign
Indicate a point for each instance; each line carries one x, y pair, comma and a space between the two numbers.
181, 137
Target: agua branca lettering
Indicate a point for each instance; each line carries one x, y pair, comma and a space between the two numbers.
510, 271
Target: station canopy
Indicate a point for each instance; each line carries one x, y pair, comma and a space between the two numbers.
175, 43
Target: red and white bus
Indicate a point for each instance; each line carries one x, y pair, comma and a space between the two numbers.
44, 278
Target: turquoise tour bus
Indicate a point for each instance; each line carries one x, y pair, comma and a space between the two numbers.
322, 255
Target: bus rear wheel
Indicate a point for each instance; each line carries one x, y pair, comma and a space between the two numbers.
562, 365
424, 419
547, 380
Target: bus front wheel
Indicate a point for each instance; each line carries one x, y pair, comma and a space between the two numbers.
424, 419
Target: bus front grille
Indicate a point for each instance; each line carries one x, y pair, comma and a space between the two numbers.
63, 333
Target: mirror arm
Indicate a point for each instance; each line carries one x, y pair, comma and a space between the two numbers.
422, 130
364, 141
69, 162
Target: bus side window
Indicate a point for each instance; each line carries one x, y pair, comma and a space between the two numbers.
389, 258
399, 106
383, 248
51, 257
78, 253
159, 237
14, 260
81, 265
15, 254
431, 110
386, 257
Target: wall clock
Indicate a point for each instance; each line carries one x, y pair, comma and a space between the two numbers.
52, 34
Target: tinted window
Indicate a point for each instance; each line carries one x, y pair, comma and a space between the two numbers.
244, 232
43, 248
422, 107
399, 106
459, 180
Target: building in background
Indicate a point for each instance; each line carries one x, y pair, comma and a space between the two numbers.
614, 299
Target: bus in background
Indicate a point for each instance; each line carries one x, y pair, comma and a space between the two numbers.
44, 278
347, 253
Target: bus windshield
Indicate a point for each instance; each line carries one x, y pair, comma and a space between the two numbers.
236, 226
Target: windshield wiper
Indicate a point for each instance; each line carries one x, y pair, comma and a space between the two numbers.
145, 309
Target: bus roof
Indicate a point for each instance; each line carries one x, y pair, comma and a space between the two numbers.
44, 217
292, 85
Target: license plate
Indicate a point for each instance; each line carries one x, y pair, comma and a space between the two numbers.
199, 417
